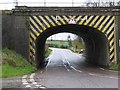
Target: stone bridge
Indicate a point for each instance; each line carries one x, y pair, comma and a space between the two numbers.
25, 29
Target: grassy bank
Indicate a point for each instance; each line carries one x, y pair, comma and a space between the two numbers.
48, 52
115, 67
14, 64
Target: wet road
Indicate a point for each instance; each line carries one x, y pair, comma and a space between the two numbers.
66, 69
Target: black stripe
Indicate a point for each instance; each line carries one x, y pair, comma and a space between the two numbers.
34, 27
31, 51
97, 19
43, 23
33, 33
32, 38
85, 20
32, 45
81, 18
64, 19
112, 44
47, 20
109, 27
37, 23
106, 23
31, 57
111, 37
101, 21
110, 32
53, 20
91, 20
60, 20
112, 58
111, 51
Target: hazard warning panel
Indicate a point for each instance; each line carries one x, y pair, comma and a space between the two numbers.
72, 21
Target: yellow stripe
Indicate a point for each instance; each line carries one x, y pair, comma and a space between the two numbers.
104, 22
108, 31
34, 23
33, 36
72, 16
32, 41
88, 20
81, 22
32, 48
39, 22
79, 17
108, 24
31, 54
50, 20
55, 20
44, 21
110, 35
65, 18
111, 42
99, 21
34, 30
93, 22
111, 48
61, 20
112, 55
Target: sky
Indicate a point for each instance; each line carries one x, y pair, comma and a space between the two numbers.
9, 4
62, 36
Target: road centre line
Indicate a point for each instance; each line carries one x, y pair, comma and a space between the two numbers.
70, 64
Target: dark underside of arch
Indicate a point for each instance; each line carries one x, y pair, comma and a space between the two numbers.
96, 43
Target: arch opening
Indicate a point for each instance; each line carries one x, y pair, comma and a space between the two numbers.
96, 43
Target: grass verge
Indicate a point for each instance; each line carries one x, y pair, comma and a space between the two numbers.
47, 53
115, 67
14, 64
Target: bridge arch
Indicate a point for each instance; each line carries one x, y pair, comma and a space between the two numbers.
100, 28
96, 43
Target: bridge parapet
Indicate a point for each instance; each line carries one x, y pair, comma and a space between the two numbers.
24, 10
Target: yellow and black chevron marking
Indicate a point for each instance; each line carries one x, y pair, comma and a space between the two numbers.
103, 23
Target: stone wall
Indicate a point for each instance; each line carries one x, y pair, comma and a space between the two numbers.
15, 33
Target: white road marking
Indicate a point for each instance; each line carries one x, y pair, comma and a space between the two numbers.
65, 65
112, 71
92, 74
24, 81
32, 77
76, 69
38, 85
28, 86
42, 87
102, 68
71, 65
102, 76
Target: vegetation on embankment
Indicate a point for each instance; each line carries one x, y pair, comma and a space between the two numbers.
77, 47
115, 67
48, 52
14, 64
58, 44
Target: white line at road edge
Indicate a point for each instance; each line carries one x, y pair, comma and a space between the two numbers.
102, 76
32, 78
24, 81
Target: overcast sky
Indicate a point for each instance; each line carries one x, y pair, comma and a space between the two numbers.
9, 4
